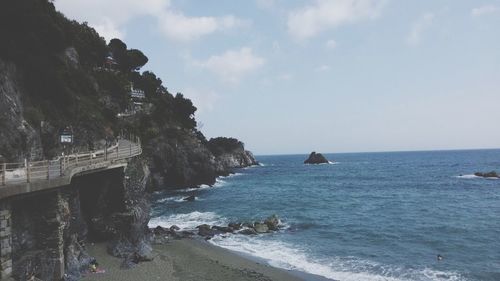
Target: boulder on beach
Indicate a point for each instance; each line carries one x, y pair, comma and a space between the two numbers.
206, 230
316, 158
491, 174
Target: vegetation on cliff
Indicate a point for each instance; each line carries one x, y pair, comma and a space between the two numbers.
68, 76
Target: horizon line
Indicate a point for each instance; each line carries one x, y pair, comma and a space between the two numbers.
383, 151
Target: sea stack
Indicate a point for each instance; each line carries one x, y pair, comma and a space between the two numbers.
491, 174
316, 158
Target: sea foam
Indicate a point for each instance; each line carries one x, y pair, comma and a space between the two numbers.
283, 255
188, 221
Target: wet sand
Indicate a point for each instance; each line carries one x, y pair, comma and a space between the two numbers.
186, 260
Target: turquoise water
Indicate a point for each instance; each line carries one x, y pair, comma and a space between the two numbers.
368, 216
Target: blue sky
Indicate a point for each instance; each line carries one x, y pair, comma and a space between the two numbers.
324, 75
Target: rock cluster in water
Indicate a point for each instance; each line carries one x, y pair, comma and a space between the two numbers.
491, 174
316, 158
206, 231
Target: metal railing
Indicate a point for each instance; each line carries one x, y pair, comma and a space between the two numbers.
16, 173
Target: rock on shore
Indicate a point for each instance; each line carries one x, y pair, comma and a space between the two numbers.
271, 224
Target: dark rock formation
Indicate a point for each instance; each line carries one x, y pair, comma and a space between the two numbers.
206, 230
224, 229
188, 160
229, 154
269, 225
491, 174
316, 158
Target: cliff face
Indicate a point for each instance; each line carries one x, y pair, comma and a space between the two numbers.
227, 162
18, 139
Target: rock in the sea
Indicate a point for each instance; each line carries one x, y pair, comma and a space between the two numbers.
272, 222
174, 228
491, 174
234, 225
189, 198
316, 158
224, 229
248, 231
261, 227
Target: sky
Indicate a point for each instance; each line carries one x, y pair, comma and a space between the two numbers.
325, 75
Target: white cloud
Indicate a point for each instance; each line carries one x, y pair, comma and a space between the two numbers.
107, 29
110, 17
484, 10
418, 27
204, 100
179, 27
232, 65
325, 14
331, 44
323, 68
266, 4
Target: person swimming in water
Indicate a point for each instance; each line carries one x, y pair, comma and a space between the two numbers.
439, 257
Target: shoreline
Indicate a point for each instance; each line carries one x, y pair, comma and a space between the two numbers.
192, 259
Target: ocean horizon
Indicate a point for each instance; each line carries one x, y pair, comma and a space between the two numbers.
364, 216
381, 151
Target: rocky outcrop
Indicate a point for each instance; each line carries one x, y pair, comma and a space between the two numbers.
491, 174
316, 158
183, 158
179, 159
227, 162
230, 154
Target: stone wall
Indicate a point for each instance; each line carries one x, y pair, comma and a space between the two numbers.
38, 223
43, 234
5, 241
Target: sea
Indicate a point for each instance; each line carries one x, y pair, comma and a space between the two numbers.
364, 216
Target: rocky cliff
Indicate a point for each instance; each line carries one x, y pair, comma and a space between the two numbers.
18, 139
184, 159
52, 76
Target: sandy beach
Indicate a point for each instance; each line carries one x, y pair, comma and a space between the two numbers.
188, 259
